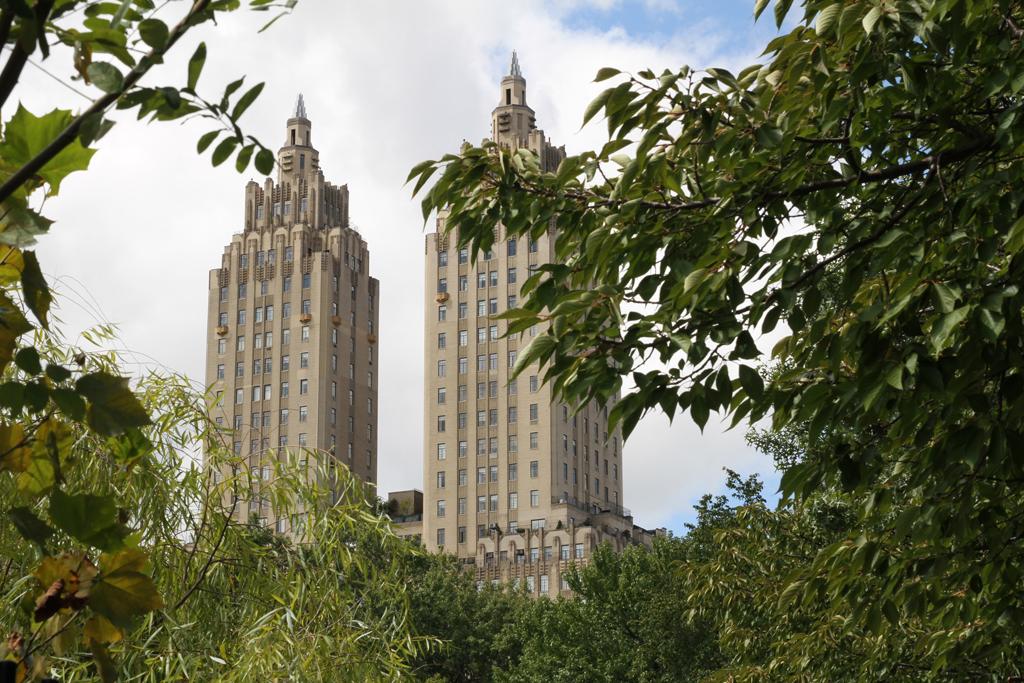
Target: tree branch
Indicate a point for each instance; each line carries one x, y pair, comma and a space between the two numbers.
69, 134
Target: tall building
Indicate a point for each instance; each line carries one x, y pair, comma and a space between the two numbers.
292, 348
515, 482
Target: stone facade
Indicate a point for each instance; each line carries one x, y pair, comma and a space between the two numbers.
292, 344
516, 484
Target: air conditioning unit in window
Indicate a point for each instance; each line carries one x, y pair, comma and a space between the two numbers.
305, 317
336, 320
222, 330
441, 297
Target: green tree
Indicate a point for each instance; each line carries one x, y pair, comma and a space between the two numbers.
623, 624
878, 146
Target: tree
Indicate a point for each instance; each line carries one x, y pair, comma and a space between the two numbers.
878, 147
623, 624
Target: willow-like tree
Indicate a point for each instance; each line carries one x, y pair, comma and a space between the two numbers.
878, 146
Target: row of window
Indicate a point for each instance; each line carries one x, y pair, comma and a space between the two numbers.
266, 366
484, 362
512, 247
269, 256
484, 279
484, 307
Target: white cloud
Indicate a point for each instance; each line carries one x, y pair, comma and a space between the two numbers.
387, 84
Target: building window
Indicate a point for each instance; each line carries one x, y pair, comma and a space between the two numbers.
512, 414
492, 306
512, 247
511, 359
532, 246
306, 280
463, 478
304, 359
239, 396
481, 280
242, 290
440, 508
304, 333
533, 440
463, 448
534, 383
463, 310
222, 319
442, 313
462, 532
303, 387
463, 337
220, 371
463, 283
442, 340
222, 346
513, 443
481, 503
493, 278
303, 413
442, 258
481, 308
284, 363
533, 413
440, 480
441, 423
481, 475
511, 303
257, 315
442, 284
441, 367
493, 502
513, 501
223, 293
493, 332
511, 276
440, 538
492, 361
492, 473
534, 466
441, 395
284, 389
534, 496
463, 366
464, 255
512, 471
240, 344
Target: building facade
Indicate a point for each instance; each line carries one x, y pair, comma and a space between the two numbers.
293, 312
516, 484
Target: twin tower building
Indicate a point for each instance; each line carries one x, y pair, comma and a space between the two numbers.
516, 484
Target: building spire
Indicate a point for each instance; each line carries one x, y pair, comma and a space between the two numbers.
514, 69
300, 108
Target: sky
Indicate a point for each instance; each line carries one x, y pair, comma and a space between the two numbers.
387, 84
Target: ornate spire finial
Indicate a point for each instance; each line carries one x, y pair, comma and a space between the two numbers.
300, 108
514, 69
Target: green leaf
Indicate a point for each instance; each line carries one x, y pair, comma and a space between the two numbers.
154, 32
244, 154
826, 18
20, 225
944, 326
769, 136
124, 590
36, 292
113, 407
945, 298
759, 8
264, 161
195, 66
596, 105
781, 10
222, 151
870, 19
105, 76
29, 525
245, 100
206, 140
605, 73
750, 380
26, 135
89, 518
28, 360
